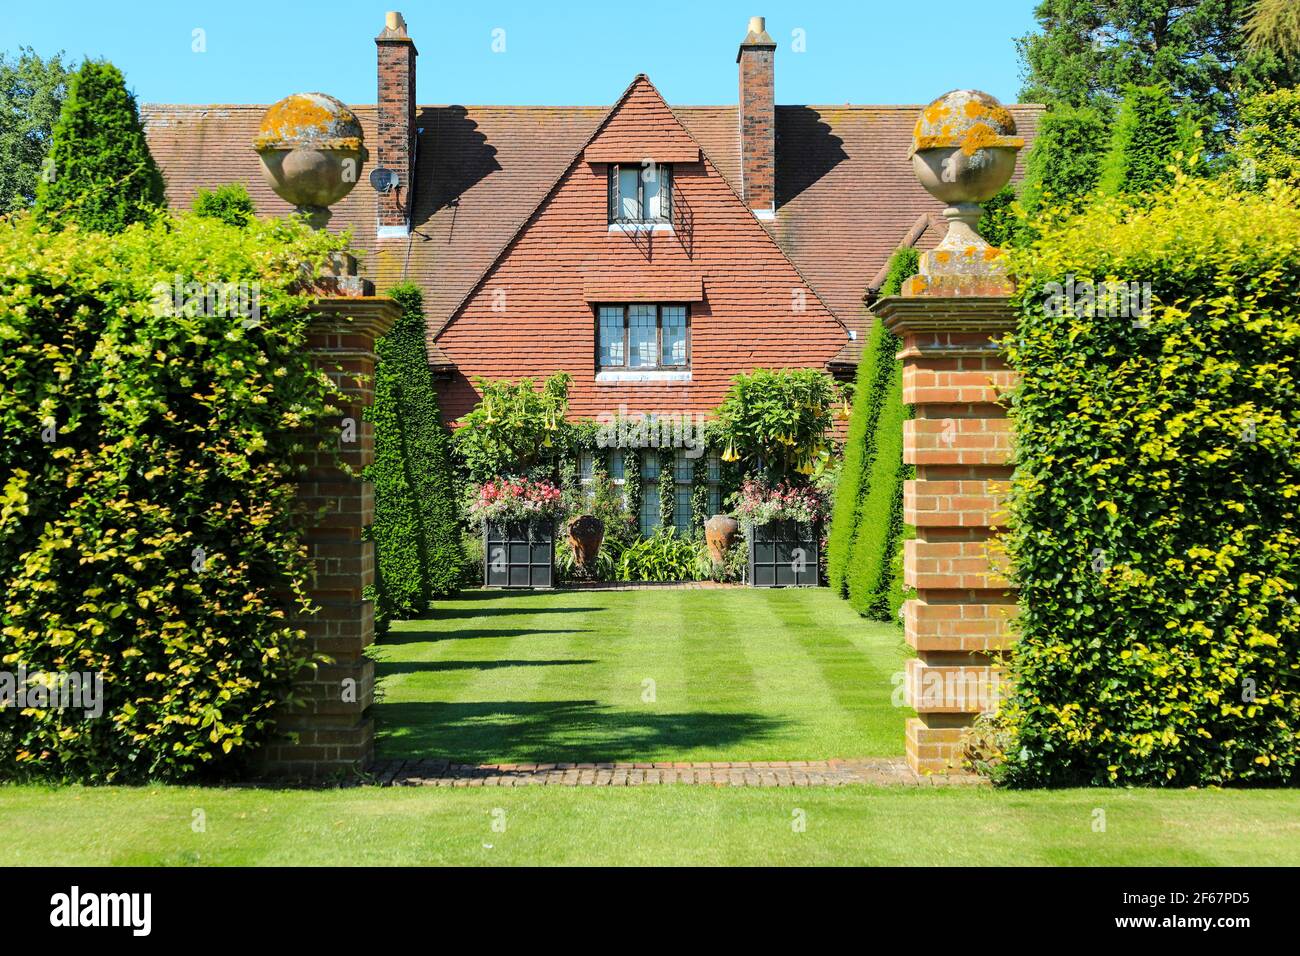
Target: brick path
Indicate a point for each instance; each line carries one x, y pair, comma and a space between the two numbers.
793, 773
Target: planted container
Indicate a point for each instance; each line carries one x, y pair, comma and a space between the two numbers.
586, 533
519, 554
720, 533
782, 525
785, 554
518, 519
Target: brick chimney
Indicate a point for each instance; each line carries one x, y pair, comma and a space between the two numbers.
758, 120
396, 119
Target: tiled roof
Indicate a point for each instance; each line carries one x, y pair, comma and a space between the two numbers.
846, 196
531, 313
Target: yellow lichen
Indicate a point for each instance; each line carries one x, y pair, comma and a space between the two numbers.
979, 136
935, 112
305, 116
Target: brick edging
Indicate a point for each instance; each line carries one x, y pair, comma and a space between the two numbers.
882, 771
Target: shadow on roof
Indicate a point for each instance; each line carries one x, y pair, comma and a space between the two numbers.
461, 158
808, 150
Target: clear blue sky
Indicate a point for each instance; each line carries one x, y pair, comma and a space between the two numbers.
555, 52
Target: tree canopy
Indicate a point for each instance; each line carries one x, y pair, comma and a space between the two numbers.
1087, 52
32, 91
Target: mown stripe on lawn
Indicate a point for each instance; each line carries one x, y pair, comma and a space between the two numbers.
714, 650
847, 669
48, 826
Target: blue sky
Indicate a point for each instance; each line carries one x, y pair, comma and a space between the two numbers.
557, 53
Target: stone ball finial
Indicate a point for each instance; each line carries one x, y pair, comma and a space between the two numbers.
963, 151
964, 147
312, 150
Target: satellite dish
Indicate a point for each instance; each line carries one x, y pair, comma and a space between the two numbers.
383, 180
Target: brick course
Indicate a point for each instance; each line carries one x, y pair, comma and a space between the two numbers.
758, 124
328, 730
782, 773
395, 122
961, 444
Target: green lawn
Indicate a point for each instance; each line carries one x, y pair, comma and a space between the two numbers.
662, 825
744, 674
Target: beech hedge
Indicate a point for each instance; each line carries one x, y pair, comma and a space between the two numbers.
1154, 526
155, 387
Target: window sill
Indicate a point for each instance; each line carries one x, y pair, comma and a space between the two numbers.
664, 227
650, 375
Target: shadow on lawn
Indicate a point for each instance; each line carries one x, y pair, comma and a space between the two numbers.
385, 668
451, 613
432, 637
569, 731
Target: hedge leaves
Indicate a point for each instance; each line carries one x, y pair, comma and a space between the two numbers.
1154, 516
147, 489
867, 519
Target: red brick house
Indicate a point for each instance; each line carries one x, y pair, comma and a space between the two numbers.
652, 252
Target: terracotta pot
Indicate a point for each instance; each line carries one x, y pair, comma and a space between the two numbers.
586, 532
720, 533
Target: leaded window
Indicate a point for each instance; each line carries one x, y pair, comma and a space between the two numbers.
643, 336
640, 193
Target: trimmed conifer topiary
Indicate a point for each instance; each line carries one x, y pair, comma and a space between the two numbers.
101, 174
416, 528
1147, 135
864, 530
1065, 162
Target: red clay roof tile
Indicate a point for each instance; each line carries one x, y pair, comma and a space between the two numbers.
846, 196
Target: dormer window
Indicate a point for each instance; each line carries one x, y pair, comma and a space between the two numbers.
640, 193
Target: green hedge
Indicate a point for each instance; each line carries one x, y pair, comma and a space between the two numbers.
880, 517
866, 520
147, 489
1065, 162
1154, 522
416, 529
